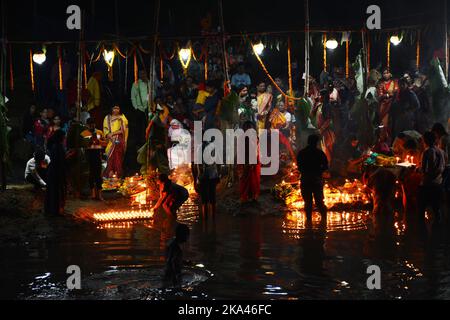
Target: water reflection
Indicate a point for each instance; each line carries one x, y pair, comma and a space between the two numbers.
295, 222
248, 256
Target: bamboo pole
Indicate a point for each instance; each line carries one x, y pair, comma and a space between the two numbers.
224, 48
307, 48
152, 77
446, 39
3, 50
80, 67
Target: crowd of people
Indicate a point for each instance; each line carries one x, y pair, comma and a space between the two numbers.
391, 117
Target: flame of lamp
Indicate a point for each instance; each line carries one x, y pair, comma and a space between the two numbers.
332, 44
396, 40
39, 57
258, 48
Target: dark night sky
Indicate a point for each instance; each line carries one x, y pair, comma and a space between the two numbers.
45, 20
181, 18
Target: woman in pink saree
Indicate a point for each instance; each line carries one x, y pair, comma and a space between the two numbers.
115, 129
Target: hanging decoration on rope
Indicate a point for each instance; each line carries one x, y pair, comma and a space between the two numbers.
135, 66
33, 87
96, 59
161, 68
388, 62
85, 75
255, 51
291, 87
325, 52
368, 52
346, 39
418, 49
109, 59
11, 70
60, 70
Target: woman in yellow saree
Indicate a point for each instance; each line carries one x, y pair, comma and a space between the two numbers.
115, 129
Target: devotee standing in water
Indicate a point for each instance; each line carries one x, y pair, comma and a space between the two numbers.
443, 138
94, 152
115, 129
312, 163
250, 173
322, 113
56, 176
386, 91
433, 166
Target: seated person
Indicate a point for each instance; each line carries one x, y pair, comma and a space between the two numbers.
355, 156
382, 145
174, 255
171, 196
36, 169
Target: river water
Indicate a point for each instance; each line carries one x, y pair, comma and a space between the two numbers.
245, 256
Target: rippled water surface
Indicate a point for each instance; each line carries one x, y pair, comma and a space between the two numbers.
238, 257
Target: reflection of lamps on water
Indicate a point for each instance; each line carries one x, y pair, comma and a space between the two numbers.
109, 59
185, 55
39, 56
396, 39
331, 44
258, 48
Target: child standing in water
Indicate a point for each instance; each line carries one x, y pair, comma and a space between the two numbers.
174, 255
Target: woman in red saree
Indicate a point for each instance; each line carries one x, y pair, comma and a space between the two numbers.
250, 174
115, 129
386, 90
322, 113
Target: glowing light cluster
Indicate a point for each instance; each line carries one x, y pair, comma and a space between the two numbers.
352, 193
123, 215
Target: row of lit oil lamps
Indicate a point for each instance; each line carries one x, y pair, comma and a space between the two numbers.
124, 215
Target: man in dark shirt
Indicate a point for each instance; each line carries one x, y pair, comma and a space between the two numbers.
312, 163
433, 166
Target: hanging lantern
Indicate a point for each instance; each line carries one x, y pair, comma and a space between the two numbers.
258, 48
185, 56
331, 44
396, 39
39, 56
109, 59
